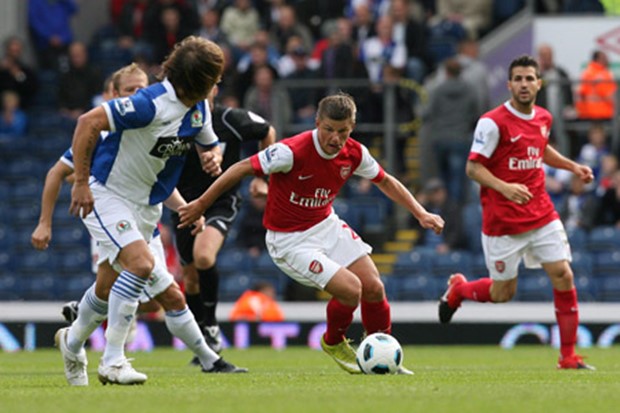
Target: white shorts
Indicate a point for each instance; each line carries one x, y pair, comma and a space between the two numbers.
313, 256
116, 222
543, 245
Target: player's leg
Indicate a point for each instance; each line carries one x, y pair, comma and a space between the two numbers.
551, 250
502, 255
375, 308
206, 247
182, 324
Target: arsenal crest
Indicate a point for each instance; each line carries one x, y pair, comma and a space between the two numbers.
500, 266
316, 267
345, 171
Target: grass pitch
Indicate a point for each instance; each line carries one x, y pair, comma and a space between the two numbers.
456, 379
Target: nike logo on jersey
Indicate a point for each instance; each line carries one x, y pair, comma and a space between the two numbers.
515, 138
304, 177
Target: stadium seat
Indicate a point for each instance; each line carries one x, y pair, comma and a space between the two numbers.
73, 287
452, 262
71, 236
478, 267
472, 226
607, 262
26, 191
534, 285
586, 288
607, 286
73, 261
366, 215
413, 262
32, 261
38, 287
264, 266
418, 287
578, 239
604, 239
233, 285
582, 263
10, 287
234, 260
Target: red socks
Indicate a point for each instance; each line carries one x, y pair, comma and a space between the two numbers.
339, 318
376, 317
479, 290
567, 315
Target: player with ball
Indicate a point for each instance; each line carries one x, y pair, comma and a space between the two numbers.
305, 238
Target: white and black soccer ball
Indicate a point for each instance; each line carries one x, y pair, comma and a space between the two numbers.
379, 353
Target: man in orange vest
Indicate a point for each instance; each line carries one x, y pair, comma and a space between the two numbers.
257, 304
597, 90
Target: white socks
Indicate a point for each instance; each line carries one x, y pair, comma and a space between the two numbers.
122, 309
91, 312
182, 324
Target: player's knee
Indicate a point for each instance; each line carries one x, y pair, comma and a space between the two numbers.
374, 291
502, 296
204, 261
172, 299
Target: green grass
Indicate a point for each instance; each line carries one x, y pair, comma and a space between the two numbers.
456, 379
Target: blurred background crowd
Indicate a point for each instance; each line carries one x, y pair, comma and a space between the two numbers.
418, 72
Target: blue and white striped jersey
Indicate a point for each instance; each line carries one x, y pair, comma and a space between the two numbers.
150, 133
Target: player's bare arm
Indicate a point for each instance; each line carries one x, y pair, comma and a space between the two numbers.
175, 201
42, 234
517, 193
192, 211
556, 160
85, 137
211, 159
397, 192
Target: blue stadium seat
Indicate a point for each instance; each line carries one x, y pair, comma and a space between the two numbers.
607, 286
26, 191
38, 287
366, 215
478, 267
472, 226
578, 239
10, 287
583, 263
418, 287
32, 261
6, 233
607, 262
73, 261
587, 288
73, 287
534, 285
234, 260
233, 285
451, 262
72, 236
413, 262
604, 239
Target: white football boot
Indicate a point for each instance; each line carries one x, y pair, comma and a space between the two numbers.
122, 373
75, 364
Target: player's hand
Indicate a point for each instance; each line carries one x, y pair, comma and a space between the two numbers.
41, 237
190, 213
258, 187
82, 201
432, 221
585, 173
211, 162
517, 193
198, 226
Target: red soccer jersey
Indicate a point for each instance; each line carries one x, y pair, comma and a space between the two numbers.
511, 145
304, 181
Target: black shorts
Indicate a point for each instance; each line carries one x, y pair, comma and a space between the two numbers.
220, 216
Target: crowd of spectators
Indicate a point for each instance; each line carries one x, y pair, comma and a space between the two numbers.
431, 42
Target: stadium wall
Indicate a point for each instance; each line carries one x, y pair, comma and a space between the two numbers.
28, 326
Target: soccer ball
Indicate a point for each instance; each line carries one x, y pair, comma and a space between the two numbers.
379, 353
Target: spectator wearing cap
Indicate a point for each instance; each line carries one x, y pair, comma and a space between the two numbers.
435, 199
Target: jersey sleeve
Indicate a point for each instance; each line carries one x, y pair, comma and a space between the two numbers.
277, 158
207, 137
369, 168
67, 158
246, 125
130, 112
486, 139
